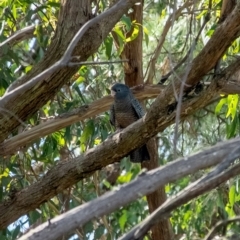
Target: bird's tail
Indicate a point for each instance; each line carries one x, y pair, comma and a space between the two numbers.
139, 155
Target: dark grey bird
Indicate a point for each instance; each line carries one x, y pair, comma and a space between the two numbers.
125, 110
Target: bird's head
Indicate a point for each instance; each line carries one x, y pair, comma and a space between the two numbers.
120, 91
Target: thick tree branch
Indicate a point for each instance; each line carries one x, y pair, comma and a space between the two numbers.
142, 92
157, 119
194, 190
34, 90
144, 184
221, 39
67, 173
95, 108
205, 61
32, 100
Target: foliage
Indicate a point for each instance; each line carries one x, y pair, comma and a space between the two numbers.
219, 120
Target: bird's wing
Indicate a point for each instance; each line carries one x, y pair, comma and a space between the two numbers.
137, 107
112, 115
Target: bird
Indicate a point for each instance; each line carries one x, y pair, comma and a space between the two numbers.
124, 111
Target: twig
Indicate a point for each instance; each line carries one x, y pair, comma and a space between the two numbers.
219, 225
72, 64
174, 16
18, 36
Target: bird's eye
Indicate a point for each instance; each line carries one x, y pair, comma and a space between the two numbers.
118, 90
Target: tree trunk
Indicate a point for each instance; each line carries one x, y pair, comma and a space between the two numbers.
134, 76
162, 230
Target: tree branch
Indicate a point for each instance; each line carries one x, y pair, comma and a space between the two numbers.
142, 92
157, 119
194, 190
173, 17
144, 184
219, 225
54, 124
47, 80
228, 83
67, 173
17, 37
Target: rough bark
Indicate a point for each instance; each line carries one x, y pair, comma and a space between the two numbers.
157, 119
73, 14
67, 173
227, 7
144, 184
163, 229
13, 144
133, 70
133, 50
221, 39
54, 124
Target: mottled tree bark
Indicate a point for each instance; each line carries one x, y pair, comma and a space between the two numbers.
227, 7
73, 15
133, 71
133, 50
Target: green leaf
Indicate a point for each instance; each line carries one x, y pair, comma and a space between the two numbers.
59, 139
87, 134
146, 34
34, 216
108, 42
123, 219
201, 14
125, 178
220, 105
5, 173
232, 193
232, 105
16, 232
127, 22
119, 32
121, 38
106, 184
232, 127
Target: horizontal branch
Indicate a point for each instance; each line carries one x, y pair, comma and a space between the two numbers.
67, 173
144, 184
228, 85
71, 64
54, 124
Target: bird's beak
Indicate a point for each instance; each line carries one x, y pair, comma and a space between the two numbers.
113, 93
